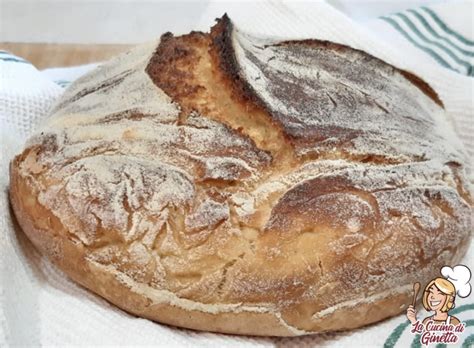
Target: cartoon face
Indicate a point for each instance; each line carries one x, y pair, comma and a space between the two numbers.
436, 298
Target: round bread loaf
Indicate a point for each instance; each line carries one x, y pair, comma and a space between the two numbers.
226, 183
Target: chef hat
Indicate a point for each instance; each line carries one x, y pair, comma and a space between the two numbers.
459, 275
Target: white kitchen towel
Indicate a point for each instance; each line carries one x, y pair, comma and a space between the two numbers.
39, 305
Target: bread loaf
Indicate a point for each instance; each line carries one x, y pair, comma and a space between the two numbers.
222, 182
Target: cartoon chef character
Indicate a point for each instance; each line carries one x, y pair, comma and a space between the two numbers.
440, 294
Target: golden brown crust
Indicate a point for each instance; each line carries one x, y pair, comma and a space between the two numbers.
197, 71
49, 236
180, 183
38, 223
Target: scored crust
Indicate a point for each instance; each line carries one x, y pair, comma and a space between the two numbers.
226, 183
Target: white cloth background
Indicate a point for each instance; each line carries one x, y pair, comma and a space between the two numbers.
40, 306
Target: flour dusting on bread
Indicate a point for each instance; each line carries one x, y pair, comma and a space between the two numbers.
226, 176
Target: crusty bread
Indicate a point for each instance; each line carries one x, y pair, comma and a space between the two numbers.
225, 183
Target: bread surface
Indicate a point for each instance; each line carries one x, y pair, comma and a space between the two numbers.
227, 183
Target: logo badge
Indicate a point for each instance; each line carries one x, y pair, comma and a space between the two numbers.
439, 297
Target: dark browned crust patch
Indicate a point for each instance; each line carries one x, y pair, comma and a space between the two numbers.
415, 80
172, 66
423, 86
221, 37
224, 53
199, 72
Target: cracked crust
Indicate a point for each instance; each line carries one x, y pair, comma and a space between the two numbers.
226, 183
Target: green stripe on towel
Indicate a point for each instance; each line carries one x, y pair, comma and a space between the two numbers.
446, 28
426, 49
433, 32
13, 59
469, 342
395, 335
450, 53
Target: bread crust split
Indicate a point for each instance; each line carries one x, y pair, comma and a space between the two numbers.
227, 183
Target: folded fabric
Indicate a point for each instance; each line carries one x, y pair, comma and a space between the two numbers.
39, 305
424, 29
